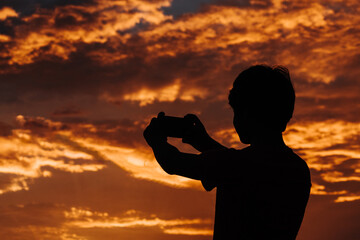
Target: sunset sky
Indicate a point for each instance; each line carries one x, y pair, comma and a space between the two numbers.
80, 80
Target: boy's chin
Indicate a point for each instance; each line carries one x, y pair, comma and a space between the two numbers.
244, 139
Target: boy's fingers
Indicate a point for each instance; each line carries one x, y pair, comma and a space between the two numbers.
190, 116
161, 114
193, 118
185, 140
154, 122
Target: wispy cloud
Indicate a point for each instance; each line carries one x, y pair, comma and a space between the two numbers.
63, 222
83, 218
29, 154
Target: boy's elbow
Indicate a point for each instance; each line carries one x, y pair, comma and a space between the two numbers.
167, 162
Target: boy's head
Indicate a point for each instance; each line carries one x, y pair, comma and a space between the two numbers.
262, 97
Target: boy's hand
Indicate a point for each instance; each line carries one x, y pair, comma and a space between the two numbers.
153, 133
196, 136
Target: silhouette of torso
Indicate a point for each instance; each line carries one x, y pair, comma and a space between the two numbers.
261, 193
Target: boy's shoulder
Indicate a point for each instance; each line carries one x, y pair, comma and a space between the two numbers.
251, 165
272, 163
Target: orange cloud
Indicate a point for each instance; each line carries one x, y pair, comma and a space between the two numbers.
65, 26
234, 33
170, 93
84, 218
27, 155
139, 163
221, 27
54, 221
321, 190
228, 137
347, 198
319, 139
4, 38
7, 12
339, 177
326, 146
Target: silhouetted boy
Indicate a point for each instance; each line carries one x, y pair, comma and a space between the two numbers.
263, 189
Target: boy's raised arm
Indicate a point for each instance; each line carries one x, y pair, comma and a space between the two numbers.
169, 157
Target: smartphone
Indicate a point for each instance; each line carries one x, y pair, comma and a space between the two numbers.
175, 126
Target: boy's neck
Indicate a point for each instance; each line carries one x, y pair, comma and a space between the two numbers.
267, 139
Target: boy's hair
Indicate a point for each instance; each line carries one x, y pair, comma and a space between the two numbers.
266, 94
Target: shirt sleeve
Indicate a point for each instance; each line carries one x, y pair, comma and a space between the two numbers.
218, 165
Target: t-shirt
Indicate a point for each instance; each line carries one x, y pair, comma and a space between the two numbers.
261, 193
